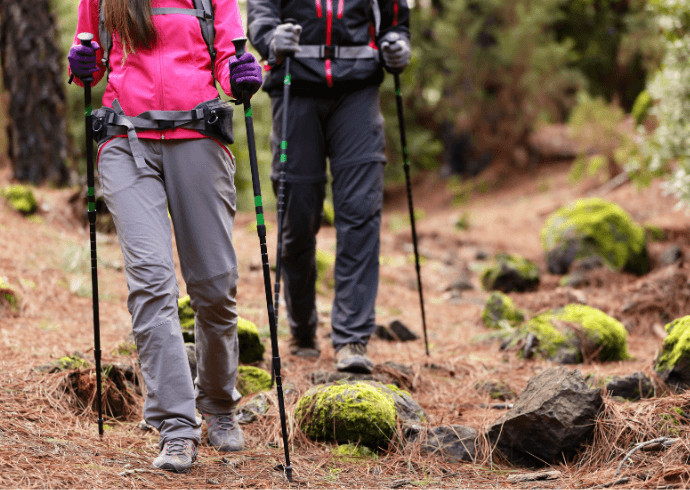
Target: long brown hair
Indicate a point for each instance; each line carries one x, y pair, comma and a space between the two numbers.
132, 21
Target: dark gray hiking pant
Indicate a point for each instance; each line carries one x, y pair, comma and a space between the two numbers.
194, 180
348, 129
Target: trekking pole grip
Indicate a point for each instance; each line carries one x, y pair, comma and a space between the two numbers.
85, 39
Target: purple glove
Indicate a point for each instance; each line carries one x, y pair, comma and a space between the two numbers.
82, 59
245, 75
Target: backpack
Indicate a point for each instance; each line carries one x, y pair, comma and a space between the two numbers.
203, 10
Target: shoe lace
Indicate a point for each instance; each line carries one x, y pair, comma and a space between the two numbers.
359, 349
226, 422
176, 447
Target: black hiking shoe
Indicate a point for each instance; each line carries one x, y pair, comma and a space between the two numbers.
353, 359
306, 349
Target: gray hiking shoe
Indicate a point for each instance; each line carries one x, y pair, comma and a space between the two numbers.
307, 349
224, 432
177, 455
353, 359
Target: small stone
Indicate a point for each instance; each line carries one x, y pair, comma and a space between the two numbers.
454, 443
671, 255
383, 333
401, 331
144, 426
632, 387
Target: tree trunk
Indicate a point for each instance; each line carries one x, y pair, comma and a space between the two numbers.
32, 74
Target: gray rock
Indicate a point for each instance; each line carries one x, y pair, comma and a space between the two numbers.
551, 418
383, 333
671, 255
190, 347
410, 413
252, 410
454, 443
401, 332
632, 387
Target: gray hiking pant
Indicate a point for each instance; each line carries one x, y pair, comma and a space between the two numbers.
348, 129
194, 180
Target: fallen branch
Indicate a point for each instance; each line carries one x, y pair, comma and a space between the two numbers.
659, 443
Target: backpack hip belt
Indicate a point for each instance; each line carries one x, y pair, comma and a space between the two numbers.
211, 118
324, 51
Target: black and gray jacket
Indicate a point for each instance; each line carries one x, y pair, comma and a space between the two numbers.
338, 41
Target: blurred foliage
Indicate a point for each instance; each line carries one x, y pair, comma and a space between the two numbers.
494, 69
665, 132
607, 142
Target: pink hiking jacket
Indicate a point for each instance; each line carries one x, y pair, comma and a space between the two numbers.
176, 73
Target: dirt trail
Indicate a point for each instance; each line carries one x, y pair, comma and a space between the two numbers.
43, 443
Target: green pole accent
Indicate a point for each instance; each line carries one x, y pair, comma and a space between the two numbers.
283, 145
260, 219
88, 110
398, 92
248, 112
287, 79
257, 200
91, 191
92, 206
283, 158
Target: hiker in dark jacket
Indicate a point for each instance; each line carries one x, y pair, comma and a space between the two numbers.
334, 113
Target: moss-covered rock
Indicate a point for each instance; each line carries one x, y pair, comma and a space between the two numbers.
353, 452
21, 198
564, 333
251, 347
65, 363
672, 363
594, 227
500, 312
252, 379
355, 412
510, 273
8, 295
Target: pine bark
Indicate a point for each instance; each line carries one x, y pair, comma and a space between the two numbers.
30, 59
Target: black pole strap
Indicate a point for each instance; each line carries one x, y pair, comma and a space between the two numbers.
261, 231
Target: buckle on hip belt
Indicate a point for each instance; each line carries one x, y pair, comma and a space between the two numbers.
329, 52
166, 124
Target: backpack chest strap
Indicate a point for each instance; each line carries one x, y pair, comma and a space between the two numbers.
324, 51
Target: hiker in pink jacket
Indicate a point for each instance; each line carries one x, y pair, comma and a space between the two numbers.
162, 134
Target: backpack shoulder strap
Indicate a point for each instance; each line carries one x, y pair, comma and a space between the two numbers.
106, 39
208, 30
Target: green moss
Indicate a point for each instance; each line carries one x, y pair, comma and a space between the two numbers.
353, 452
399, 391
676, 346
71, 362
605, 332
353, 412
641, 106
328, 212
186, 314
500, 307
506, 264
9, 294
655, 233
251, 347
126, 348
324, 266
605, 229
21, 198
252, 379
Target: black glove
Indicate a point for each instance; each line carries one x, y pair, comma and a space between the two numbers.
285, 42
396, 52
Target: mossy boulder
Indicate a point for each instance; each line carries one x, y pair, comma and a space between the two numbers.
594, 227
500, 312
251, 348
252, 379
568, 334
353, 452
672, 363
510, 273
357, 412
8, 294
21, 198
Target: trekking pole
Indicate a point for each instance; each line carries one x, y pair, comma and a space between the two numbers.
85, 38
261, 231
281, 184
406, 166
